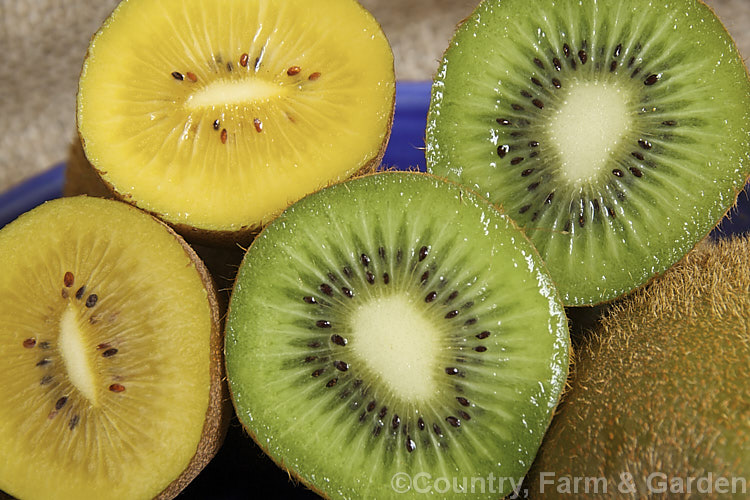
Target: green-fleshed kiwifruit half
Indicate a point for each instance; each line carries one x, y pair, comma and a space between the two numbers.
660, 393
111, 355
393, 326
615, 133
215, 115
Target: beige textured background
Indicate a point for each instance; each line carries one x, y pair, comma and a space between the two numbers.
42, 43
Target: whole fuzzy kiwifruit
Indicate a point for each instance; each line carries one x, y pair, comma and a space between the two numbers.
215, 115
111, 355
660, 393
615, 132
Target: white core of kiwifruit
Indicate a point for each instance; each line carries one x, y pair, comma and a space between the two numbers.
588, 127
398, 344
72, 347
227, 93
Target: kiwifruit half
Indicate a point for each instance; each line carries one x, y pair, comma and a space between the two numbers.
395, 326
659, 406
616, 133
216, 115
111, 353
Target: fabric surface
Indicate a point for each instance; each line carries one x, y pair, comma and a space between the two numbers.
43, 42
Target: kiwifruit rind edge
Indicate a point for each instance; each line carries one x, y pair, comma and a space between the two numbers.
659, 390
298, 176
255, 322
71, 215
708, 143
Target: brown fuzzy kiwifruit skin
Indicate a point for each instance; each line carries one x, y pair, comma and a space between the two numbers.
660, 387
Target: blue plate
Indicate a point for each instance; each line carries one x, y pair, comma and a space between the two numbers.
405, 151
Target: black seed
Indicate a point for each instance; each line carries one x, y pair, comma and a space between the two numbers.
425, 277
453, 421
451, 370
322, 323
383, 411
573, 63
618, 49
503, 150
423, 253
44, 361
556, 62
45, 380
381, 253
583, 56
318, 372
216, 124
516, 160
364, 259
581, 221
347, 271
177, 75
470, 321
538, 103
526, 93
611, 212
631, 62
229, 66
568, 223
332, 277
527, 173
532, 186
644, 144
503, 121
420, 424
370, 277
669, 123
538, 63
376, 431
524, 209
341, 366
534, 217
314, 344
612, 66
64, 293
326, 289
452, 296
371, 406
636, 171
309, 300
463, 401
451, 314
332, 382
399, 255
548, 200
68, 279
61, 402
386, 278
557, 84
595, 204
357, 383
430, 297
533, 144
310, 359
347, 292
617, 172
91, 300
410, 445
480, 348
29, 343
638, 155
635, 72
338, 340
464, 415
395, 422
73, 422
652, 79
566, 50
110, 352
536, 82
516, 107
80, 292
437, 430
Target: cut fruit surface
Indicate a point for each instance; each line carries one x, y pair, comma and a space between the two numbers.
216, 115
395, 324
616, 133
110, 348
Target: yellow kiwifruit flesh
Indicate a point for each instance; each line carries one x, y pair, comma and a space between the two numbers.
216, 115
110, 348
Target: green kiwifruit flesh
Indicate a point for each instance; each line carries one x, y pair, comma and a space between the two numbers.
111, 352
215, 115
661, 391
395, 323
616, 133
